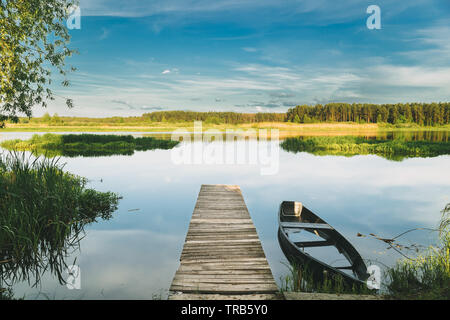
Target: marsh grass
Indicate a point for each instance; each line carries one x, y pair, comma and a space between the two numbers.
397, 149
428, 275
90, 145
301, 278
43, 213
6, 294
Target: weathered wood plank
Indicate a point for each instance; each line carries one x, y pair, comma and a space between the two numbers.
222, 253
301, 225
223, 268
238, 277
212, 288
200, 272
236, 260
222, 242
222, 220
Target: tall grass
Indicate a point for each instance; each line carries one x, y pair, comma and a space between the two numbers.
301, 278
43, 213
428, 275
73, 145
397, 149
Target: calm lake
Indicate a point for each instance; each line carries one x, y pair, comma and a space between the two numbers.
136, 253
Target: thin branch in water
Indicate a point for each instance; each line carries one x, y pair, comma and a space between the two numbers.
397, 246
401, 234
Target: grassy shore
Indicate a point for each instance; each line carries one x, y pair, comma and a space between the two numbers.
426, 276
286, 129
189, 126
72, 145
396, 149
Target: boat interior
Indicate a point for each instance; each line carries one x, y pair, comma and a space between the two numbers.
313, 236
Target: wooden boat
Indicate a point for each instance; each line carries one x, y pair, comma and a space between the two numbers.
295, 218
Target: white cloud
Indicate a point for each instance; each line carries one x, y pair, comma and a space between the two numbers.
249, 49
105, 34
435, 42
321, 11
412, 76
380, 83
167, 71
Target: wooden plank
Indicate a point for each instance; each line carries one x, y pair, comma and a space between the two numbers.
223, 268
224, 241
248, 247
258, 297
218, 237
222, 253
242, 273
311, 244
220, 282
212, 288
222, 220
302, 225
237, 260
213, 276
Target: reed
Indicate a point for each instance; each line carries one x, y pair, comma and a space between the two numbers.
397, 149
43, 213
90, 145
301, 278
426, 276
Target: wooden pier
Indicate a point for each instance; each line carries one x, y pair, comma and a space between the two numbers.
222, 256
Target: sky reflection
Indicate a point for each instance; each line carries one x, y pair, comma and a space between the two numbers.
136, 254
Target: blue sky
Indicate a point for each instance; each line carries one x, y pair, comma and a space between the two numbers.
254, 55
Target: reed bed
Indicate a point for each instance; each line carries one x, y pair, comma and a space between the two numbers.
300, 278
43, 213
73, 145
397, 149
426, 276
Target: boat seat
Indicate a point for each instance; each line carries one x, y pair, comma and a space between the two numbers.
309, 244
303, 225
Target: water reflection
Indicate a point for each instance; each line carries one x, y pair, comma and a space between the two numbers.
435, 136
87, 145
396, 150
44, 213
136, 254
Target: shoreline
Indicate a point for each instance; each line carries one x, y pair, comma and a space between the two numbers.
285, 128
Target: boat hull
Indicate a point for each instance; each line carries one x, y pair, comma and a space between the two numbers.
316, 268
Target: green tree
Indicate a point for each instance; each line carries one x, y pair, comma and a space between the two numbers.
46, 118
33, 42
56, 120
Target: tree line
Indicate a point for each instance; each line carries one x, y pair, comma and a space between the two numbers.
214, 117
428, 114
424, 114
